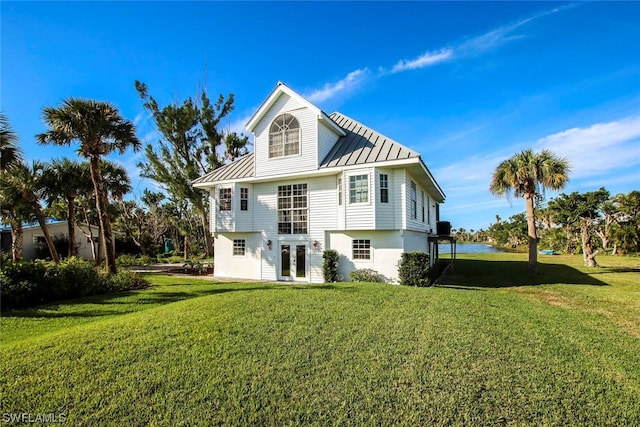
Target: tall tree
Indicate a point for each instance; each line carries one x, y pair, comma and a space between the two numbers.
100, 130
26, 182
626, 232
63, 181
192, 145
10, 153
581, 210
14, 210
528, 174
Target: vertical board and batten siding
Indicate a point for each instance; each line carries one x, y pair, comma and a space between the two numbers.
360, 216
245, 266
385, 212
307, 159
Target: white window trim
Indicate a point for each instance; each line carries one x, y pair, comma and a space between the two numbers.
363, 260
244, 248
269, 133
348, 185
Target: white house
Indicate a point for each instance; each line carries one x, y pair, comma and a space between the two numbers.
316, 182
33, 237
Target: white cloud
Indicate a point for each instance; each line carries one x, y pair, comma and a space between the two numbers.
329, 90
598, 149
425, 60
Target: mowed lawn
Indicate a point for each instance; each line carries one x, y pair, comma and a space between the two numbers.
487, 346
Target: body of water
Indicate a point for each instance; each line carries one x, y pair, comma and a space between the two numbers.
468, 248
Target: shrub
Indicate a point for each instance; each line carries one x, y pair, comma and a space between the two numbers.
367, 275
414, 269
25, 284
330, 265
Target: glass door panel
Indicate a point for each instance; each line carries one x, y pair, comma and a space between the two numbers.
301, 262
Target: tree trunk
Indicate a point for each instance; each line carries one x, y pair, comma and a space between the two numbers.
186, 247
105, 225
207, 234
531, 231
71, 223
588, 254
47, 237
17, 238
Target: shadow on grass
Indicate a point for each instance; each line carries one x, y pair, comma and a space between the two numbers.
147, 297
479, 274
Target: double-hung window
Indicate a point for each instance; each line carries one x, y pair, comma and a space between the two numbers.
359, 189
384, 188
244, 199
340, 191
225, 199
414, 207
292, 209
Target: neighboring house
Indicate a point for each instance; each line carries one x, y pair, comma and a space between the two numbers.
316, 182
33, 238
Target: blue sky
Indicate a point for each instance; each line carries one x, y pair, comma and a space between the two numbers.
465, 84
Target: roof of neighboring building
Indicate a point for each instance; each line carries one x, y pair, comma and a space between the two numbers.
240, 168
362, 145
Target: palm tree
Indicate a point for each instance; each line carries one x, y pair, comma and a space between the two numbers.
63, 181
100, 130
26, 183
10, 154
14, 210
528, 174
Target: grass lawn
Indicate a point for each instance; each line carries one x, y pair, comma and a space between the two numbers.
486, 346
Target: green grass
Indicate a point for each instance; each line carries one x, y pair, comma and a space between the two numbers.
487, 346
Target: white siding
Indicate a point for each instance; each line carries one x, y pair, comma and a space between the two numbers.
385, 212
244, 219
400, 198
322, 217
307, 159
326, 140
386, 250
414, 223
225, 220
213, 208
229, 265
359, 216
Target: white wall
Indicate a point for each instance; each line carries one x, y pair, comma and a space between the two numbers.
229, 265
386, 250
58, 230
359, 216
307, 159
386, 212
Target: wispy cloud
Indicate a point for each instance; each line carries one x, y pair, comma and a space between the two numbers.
467, 47
425, 60
598, 149
329, 90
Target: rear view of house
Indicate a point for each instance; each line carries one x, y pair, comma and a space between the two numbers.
317, 182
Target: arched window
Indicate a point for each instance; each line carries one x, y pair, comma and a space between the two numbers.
284, 136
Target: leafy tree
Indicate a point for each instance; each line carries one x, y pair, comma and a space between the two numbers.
10, 153
14, 210
527, 174
192, 145
626, 230
581, 210
100, 130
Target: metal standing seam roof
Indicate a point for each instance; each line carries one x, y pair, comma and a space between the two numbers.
241, 168
362, 145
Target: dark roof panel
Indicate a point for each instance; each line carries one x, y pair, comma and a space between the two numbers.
362, 145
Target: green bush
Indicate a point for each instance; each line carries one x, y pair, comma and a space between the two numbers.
25, 284
367, 275
330, 265
414, 269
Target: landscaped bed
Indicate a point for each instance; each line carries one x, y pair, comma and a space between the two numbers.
486, 346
